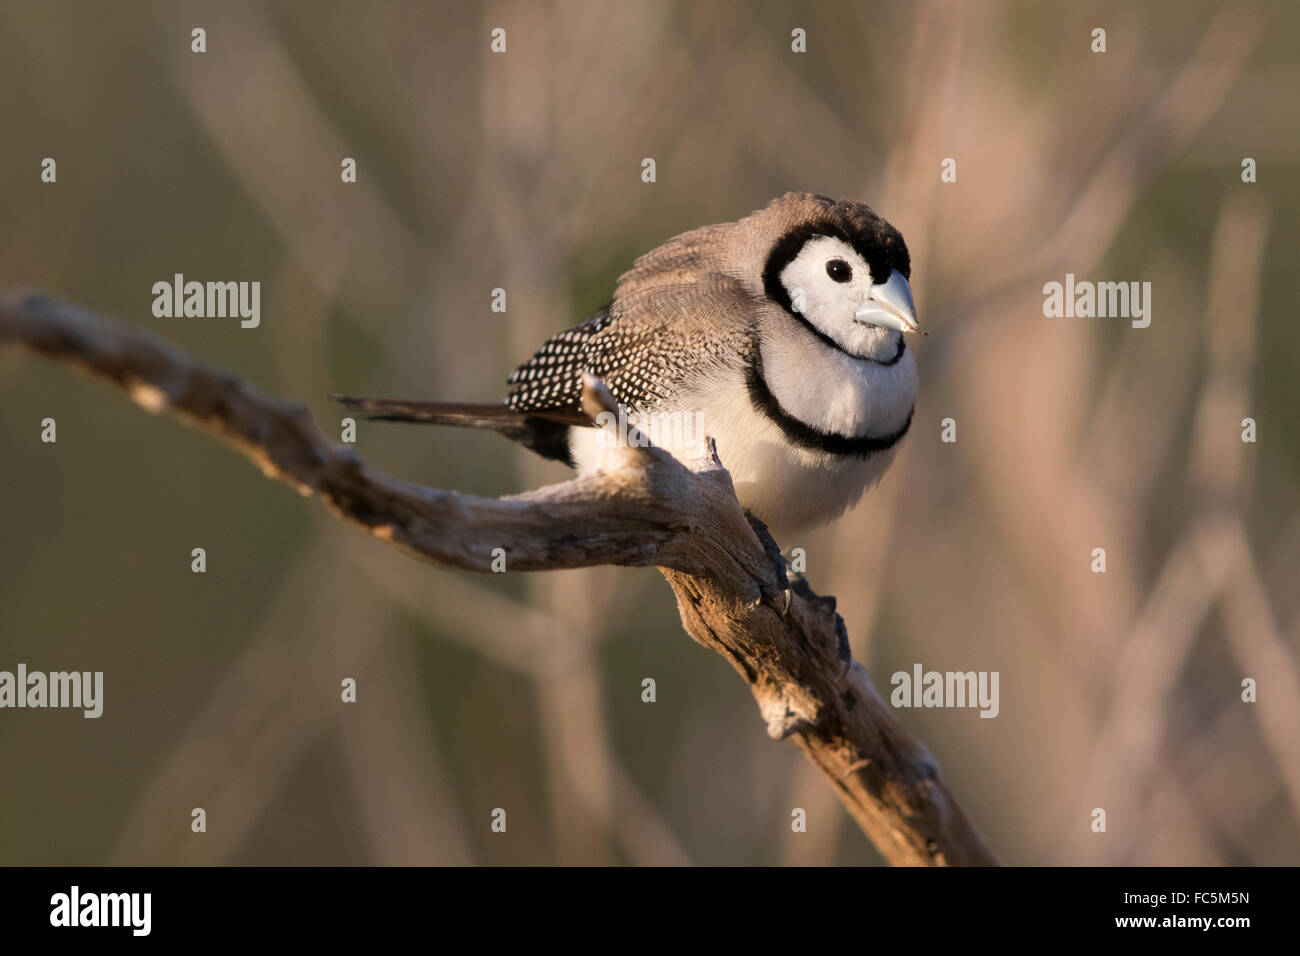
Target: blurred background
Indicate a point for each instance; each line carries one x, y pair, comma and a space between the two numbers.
522, 171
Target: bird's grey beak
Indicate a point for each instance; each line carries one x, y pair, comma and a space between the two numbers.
889, 305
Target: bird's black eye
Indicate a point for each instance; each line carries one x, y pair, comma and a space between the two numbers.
839, 270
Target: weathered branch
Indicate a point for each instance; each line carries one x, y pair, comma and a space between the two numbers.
640, 507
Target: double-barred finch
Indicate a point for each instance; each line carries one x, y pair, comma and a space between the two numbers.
779, 335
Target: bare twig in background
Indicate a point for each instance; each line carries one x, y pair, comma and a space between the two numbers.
641, 507
1210, 564
550, 650
242, 747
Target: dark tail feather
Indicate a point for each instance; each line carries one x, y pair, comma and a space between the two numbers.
546, 433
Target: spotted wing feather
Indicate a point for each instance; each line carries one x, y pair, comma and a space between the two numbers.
643, 345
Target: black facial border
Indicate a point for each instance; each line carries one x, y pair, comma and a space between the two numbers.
785, 251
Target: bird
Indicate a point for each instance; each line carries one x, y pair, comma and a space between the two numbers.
780, 335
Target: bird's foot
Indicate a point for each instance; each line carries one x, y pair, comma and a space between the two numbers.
799, 584
845, 649
777, 560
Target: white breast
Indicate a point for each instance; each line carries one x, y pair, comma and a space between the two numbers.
836, 393
790, 488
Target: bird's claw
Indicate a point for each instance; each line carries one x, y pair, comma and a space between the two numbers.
844, 648
777, 560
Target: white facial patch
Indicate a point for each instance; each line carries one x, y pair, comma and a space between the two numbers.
830, 306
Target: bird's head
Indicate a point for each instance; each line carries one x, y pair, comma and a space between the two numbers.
840, 269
